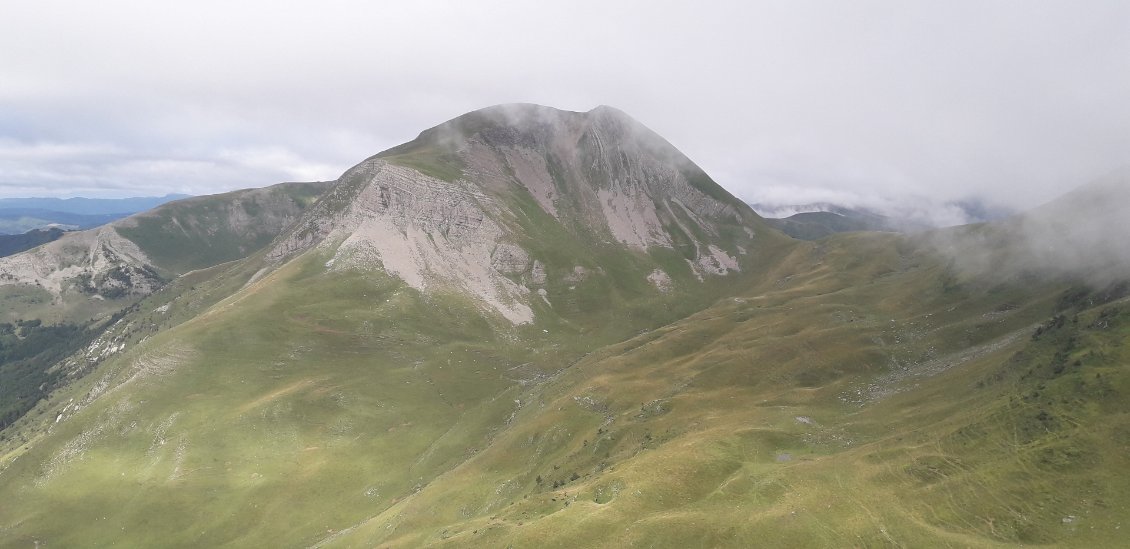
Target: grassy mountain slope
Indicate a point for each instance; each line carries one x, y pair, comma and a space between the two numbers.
337, 393
204, 231
839, 400
848, 402
817, 225
57, 300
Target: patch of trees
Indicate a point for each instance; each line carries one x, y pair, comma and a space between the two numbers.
28, 349
117, 282
1085, 297
16, 243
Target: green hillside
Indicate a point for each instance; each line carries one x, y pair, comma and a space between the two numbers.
817, 225
57, 301
204, 231
835, 398
859, 403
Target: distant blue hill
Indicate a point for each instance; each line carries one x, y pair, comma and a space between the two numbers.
91, 206
20, 215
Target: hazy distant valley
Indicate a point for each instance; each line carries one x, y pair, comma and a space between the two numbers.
535, 327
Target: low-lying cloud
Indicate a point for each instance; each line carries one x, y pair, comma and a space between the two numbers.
1081, 236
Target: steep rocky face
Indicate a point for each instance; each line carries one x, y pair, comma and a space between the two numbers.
453, 208
98, 261
421, 229
602, 164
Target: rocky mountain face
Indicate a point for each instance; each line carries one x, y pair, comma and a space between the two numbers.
98, 260
461, 205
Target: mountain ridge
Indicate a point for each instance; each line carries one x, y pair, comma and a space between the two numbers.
93, 270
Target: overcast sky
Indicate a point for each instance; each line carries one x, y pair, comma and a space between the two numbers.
790, 101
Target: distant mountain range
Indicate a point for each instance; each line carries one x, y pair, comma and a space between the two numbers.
16, 221
817, 220
19, 215
91, 206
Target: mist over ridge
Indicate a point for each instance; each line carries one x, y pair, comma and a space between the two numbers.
1080, 235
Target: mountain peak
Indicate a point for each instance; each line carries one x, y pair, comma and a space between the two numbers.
602, 139
473, 204
528, 123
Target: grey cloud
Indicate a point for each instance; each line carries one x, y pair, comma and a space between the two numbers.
1015, 102
1080, 236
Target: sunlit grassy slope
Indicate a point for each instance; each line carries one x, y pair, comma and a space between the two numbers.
100, 293
870, 401
203, 231
853, 392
